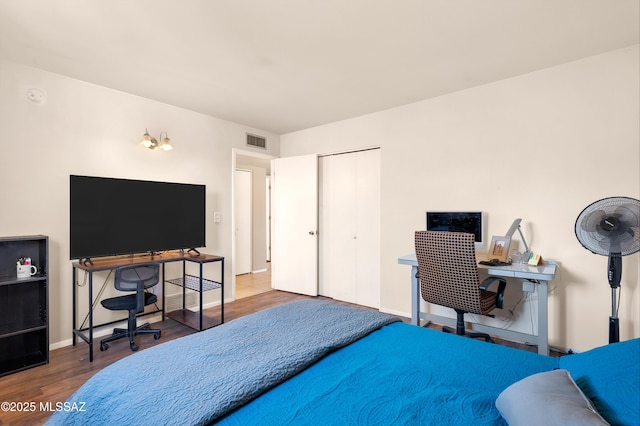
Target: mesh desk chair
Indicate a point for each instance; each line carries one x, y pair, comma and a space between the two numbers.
448, 276
136, 278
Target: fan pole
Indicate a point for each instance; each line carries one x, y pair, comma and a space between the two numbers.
614, 275
614, 321
614, 330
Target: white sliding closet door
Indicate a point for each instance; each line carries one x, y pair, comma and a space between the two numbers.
350, 227
368, 228
338, 236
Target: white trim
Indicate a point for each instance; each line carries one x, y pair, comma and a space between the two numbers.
396, 313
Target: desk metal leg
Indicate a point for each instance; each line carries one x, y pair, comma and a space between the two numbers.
415, 296
75, 307
184, 286
222, 292
90, 316
164, 293
200, 328
543, 318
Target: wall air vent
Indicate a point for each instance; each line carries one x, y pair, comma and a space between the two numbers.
257, 141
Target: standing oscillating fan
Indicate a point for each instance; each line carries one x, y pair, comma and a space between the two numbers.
611, 227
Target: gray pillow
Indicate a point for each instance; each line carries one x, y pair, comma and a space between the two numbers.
549, 398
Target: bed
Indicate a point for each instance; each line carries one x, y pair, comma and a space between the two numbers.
318, 362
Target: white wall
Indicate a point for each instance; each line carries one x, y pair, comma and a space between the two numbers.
541, 146
87, 129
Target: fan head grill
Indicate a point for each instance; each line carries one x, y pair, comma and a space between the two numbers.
610, 225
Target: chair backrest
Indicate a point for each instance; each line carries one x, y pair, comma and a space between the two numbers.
448, 269
128, 277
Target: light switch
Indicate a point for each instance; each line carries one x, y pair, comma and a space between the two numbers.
217, 217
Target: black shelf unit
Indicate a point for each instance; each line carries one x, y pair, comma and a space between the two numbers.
24, 305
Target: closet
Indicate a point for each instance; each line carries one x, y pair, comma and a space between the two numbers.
349, 227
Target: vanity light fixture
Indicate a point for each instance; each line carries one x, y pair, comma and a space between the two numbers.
152, 143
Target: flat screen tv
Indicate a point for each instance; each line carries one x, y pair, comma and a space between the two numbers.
469, 222
111, 216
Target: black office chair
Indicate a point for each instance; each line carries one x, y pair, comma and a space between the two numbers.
448, 275
136, 278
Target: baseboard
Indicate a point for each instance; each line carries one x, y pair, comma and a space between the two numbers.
396, 313
210, 305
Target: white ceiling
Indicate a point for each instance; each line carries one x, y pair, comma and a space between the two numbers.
287, 65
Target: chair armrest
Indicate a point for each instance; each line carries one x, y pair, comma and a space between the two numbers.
502, 284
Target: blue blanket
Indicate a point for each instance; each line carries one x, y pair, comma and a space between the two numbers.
398, 375
198, 378
407, 375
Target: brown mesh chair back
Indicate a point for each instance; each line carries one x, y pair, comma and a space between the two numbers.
448, 274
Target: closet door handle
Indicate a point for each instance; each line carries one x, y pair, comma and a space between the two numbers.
312, 232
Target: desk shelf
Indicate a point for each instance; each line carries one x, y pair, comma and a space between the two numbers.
193, 283
192, 319
196, 320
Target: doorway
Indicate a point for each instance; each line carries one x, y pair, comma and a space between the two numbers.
250, 192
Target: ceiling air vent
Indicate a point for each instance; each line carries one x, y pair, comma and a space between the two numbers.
257, 141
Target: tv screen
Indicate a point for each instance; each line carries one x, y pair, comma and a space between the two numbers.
111, 216
469, 222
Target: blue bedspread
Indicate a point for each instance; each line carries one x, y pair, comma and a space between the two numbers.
407, 375
398, 375
197, 378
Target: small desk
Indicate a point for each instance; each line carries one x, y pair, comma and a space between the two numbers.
540, 275
186, 281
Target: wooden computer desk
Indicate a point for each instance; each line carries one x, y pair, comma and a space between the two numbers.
186, 281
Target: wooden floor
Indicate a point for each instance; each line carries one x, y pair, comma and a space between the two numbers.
69, 367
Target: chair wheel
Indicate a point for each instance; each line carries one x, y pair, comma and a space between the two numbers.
134, 347
104, 346
156, 336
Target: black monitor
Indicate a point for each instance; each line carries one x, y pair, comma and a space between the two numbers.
458, 221
110, 216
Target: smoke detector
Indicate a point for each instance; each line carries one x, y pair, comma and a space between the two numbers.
37, 96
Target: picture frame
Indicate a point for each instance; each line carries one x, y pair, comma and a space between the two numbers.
499, 248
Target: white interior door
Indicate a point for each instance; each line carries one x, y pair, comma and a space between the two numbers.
243, 214
294, 221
